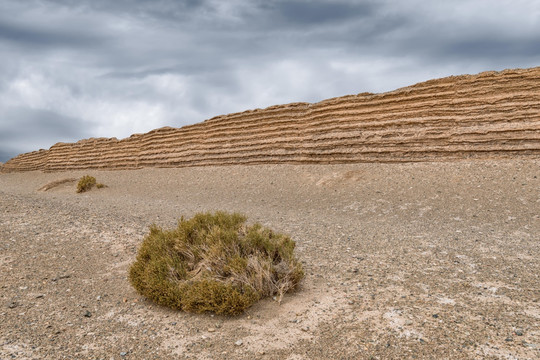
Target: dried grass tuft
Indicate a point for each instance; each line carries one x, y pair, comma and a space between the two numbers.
56, 183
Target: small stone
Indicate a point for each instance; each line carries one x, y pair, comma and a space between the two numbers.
239, 343
98, 298
435, 316
304, 328
87, 314
518, 332
211, 330
12, 305
39, 296
123, 353
508, 339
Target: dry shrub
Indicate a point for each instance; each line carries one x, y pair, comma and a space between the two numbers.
214, 262
86, 183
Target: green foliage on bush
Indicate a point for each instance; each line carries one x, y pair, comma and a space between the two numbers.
86, 183
214, 262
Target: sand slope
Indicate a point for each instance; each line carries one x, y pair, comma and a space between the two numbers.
493, 114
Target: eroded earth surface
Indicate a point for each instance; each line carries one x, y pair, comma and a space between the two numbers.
420, 260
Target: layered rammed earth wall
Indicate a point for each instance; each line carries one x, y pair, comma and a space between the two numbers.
489, 115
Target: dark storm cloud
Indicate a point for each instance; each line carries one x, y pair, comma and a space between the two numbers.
37, 129
163, 9
77, 68
50, 123
492, 47
315, 13
34, 36
6, 154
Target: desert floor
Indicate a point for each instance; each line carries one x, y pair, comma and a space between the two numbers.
415, 260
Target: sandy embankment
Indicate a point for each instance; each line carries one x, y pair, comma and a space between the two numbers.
431, 260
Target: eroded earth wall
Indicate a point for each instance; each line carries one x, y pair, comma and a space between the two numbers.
489, 115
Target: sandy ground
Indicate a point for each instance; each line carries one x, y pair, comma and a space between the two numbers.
420, 260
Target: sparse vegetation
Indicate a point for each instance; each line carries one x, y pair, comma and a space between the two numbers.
86, 183
56, 183
100, 185
214, 262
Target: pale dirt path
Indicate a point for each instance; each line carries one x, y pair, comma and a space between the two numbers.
429, 260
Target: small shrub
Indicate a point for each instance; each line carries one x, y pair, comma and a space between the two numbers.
100, 185
86, 183
216, 263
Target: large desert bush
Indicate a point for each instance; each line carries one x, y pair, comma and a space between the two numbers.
214, 262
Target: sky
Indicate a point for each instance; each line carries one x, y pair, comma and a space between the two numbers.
74, 69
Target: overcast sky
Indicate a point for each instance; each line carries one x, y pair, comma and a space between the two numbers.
73, 69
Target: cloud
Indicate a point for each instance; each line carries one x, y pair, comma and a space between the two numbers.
50, 123
41, 37
25, 130
317, 13
113, 68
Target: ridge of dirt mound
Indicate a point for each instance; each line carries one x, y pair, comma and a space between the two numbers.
56, 183
489, 115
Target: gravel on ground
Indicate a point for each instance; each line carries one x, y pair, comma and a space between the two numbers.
418, 260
